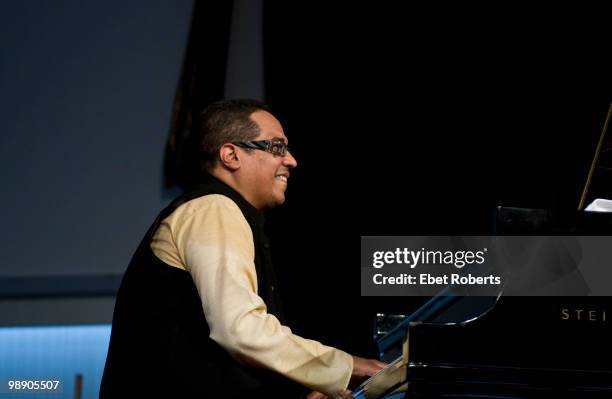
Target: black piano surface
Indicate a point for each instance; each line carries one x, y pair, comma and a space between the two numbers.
521, 347
507, 347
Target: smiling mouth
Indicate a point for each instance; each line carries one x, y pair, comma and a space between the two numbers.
282, 178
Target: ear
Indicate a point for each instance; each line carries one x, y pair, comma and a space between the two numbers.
229, 156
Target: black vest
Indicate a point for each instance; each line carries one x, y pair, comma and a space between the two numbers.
160, 343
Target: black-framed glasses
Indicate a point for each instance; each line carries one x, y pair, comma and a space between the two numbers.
276, 147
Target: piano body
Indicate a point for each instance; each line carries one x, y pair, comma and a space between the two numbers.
503, 346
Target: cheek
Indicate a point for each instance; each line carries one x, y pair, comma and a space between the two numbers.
265, 177
268, 169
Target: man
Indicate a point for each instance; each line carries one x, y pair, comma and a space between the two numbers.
196, 314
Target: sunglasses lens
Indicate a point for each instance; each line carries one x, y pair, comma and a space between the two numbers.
278, 148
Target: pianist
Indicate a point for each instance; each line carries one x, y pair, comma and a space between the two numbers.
197, 314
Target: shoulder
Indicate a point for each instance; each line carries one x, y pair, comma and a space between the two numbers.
207, 203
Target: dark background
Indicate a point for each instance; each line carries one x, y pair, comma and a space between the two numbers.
421, 121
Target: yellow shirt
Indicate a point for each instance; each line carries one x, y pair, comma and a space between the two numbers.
210, 238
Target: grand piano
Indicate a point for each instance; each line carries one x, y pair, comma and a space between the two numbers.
501, 346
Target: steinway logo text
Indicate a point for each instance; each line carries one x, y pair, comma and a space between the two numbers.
588, 315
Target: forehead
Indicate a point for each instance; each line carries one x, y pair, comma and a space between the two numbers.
269, 126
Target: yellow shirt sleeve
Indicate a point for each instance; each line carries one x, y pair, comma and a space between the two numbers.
210, 238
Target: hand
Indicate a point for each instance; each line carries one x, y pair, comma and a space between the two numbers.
316, 395
364, 368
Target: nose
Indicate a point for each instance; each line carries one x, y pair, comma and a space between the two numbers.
289, 161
